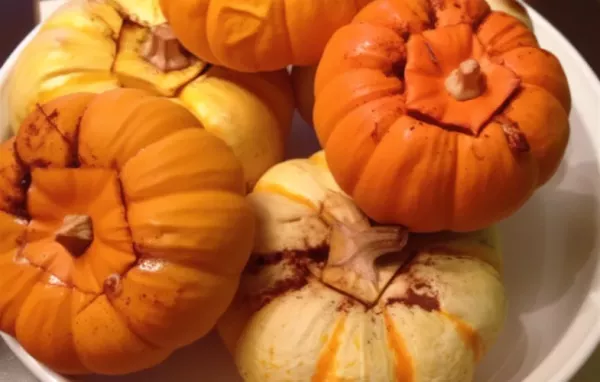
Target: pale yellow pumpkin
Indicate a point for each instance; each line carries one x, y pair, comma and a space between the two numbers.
93, 46
328, 296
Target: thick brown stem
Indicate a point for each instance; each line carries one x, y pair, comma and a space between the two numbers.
163, 50
76, 234
355, 246
466, 81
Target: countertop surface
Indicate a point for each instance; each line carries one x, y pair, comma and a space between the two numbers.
576, 19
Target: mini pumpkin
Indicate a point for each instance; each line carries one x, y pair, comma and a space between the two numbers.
453, 113
116, 213
303, 77
328, 296
259, 35
94, 46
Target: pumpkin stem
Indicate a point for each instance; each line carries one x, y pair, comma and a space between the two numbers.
355, 245
76, 234
163, 50
466, 81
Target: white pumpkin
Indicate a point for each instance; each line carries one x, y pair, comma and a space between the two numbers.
328, 296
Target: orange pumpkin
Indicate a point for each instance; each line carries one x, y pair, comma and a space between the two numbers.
303, 77
452, 112
258, 35
116, 213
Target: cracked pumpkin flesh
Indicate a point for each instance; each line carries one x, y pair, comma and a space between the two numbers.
328, 296
453, 113
91, 46
116, 211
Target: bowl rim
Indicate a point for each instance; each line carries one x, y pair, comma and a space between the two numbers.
582, 354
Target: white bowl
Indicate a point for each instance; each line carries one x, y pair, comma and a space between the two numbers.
551, 247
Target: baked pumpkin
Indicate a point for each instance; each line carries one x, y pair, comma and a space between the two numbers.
94, 46
303, 77
117, 212
453, 113
258, 35
328, 296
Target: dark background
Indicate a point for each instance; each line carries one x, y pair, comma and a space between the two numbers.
17, 18
579, 20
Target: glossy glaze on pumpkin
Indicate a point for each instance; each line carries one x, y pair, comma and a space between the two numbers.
441, 307
435, 148
94, 46
154, 198
258, 35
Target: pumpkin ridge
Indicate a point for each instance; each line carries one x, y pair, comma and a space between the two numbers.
129, 326
74, 142
52, 124
19, 257
381, 127
492, 42
559, 88
286, 29
20, 208
88, 304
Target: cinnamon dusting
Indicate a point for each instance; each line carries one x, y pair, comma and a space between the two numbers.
299, 265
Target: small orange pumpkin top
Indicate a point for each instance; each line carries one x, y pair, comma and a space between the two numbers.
453, 113
258, 35
116, 213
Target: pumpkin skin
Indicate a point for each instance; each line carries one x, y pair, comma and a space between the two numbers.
303, 77
163, 196
440, 313
452, 128
94, 46
258, 35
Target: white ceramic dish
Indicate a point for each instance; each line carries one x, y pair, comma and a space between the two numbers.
552, 271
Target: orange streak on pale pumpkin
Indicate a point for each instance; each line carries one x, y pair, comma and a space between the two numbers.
470, 336
404, 363
277, 189
325, 371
